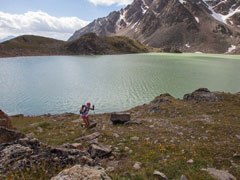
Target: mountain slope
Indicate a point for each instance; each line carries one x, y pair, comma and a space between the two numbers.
93, 44
88, 44
191, 26
29, 45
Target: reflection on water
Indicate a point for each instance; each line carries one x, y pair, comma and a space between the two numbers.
39, 85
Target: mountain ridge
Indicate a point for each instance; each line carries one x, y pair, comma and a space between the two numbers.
89, 44
190, 26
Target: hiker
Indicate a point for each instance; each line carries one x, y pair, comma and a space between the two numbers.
84, 112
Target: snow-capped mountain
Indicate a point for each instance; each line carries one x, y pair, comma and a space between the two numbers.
190, 25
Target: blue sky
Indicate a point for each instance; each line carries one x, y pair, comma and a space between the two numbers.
52, 18
82, 9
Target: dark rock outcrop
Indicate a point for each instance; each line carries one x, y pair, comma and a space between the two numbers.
120, 118
9, 135
155, 105
203, 95
26, 152
5, 120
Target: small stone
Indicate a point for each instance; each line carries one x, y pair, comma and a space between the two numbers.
137, 166
152, 126
111, 158
156, 141
147, 139
115, 135
190, 161
130, 151
135, 138
236, 156
87, 160
30, 135
238, 136
183, 178
56, 159
114, 164
160, 175
40, 130
110, 169
126, 148
103, 128
77, 145
120, 144
77, 121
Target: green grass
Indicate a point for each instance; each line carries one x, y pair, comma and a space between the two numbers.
204, 132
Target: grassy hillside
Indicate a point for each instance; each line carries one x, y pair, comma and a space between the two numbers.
93, 44
88, 44
28, 45
177, 131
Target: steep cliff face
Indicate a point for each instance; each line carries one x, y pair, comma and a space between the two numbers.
196, 25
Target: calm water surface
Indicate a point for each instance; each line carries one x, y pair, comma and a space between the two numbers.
40, 85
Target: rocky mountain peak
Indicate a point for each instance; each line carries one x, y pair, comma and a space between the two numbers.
188, 25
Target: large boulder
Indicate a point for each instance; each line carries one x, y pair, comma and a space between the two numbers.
120, 118
220, 174
79, 172
203, 95
9, 135
5, 120
99, 150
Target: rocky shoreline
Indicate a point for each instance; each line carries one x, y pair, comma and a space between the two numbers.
194, 138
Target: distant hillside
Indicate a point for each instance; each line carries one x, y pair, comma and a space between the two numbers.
88, 44
29, 45
93, 44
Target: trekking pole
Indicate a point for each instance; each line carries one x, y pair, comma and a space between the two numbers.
94, 110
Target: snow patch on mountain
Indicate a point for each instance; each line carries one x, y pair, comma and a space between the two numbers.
122, 18
182, 1
219, 16
230, 49
197, 19
144, 7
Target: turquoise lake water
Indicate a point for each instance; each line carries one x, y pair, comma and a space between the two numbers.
57, 84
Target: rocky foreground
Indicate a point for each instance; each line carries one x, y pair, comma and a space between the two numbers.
197, 138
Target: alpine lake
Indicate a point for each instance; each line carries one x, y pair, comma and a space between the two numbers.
58, 84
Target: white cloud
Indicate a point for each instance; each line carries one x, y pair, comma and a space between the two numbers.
39, 23
111, 2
